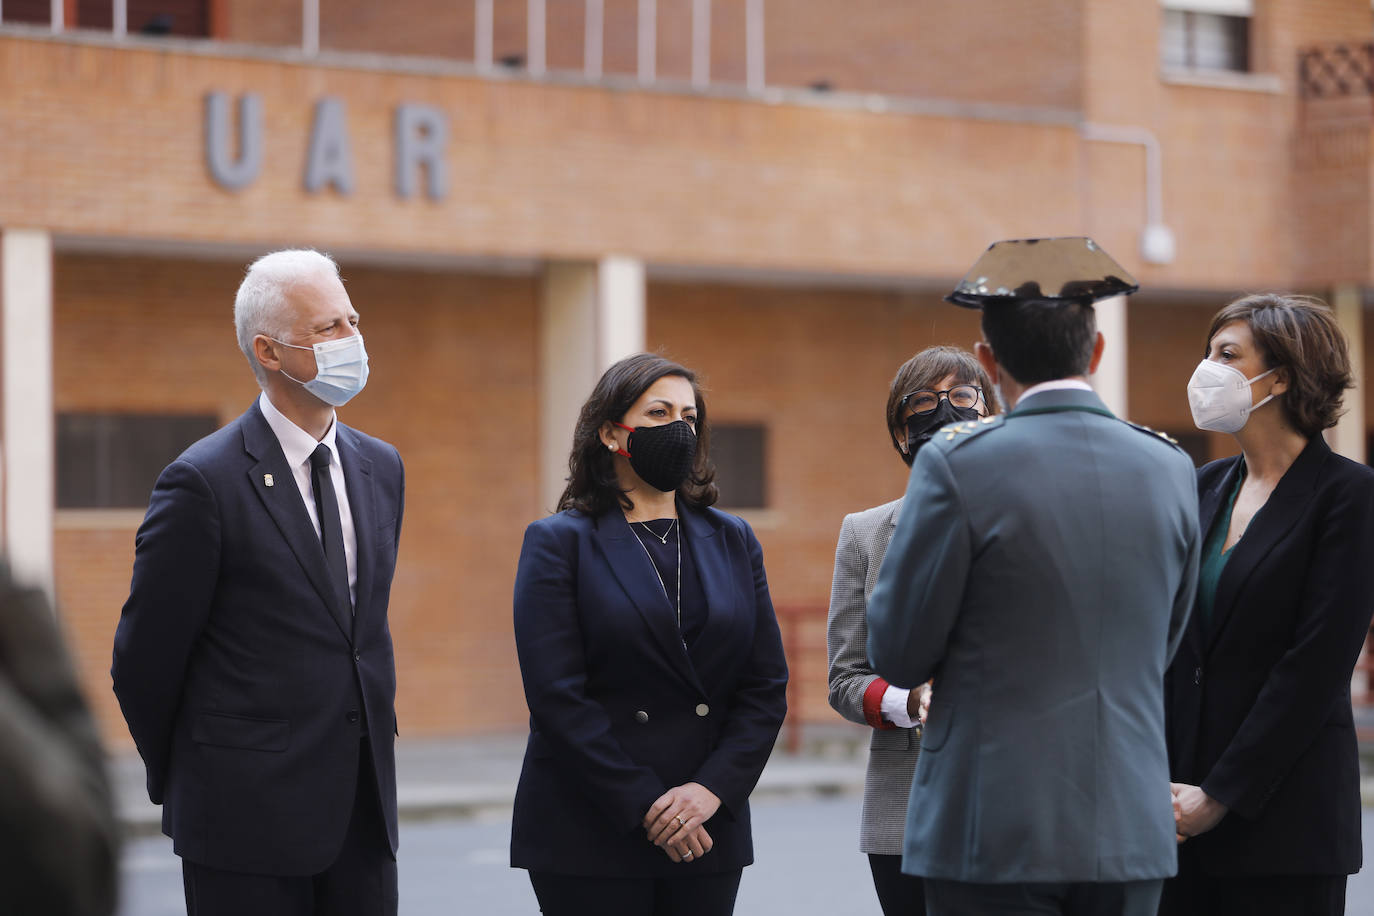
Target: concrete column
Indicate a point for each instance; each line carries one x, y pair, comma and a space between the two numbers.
591, 314
27, 460
1110, 379
1348, 436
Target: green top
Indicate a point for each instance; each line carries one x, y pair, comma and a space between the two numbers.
1213, 559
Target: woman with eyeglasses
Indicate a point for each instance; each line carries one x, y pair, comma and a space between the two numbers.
936, 388
1262, 751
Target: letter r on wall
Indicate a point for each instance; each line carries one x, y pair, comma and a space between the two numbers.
421, 135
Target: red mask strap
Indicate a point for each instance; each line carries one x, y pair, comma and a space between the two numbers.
621, 451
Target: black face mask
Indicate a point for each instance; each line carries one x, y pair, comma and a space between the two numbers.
922, 427
662, 456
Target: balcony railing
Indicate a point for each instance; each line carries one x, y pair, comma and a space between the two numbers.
1335, 71
117, 18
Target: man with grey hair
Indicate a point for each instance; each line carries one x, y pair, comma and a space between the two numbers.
253, 660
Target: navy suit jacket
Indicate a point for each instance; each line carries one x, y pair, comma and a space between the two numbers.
1259, 703
620, 711
245, 684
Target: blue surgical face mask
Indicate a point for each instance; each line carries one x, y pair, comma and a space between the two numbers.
340, 369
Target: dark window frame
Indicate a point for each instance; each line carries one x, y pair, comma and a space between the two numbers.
1239, 26
742, 476
111, 459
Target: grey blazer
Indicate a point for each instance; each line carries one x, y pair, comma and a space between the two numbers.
1041, 571
892, 752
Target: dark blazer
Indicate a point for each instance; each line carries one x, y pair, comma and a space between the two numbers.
245, 685
1259, 705
619, 711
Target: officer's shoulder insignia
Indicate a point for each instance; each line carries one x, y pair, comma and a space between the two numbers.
1156, 433
968, 429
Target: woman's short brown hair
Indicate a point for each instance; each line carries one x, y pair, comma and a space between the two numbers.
924, 370
1298, 334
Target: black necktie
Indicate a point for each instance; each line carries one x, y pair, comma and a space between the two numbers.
331, 529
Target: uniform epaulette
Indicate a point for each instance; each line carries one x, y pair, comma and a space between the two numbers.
1156, 433
960, 432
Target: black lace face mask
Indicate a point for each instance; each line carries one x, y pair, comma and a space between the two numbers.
922, 427
662, 456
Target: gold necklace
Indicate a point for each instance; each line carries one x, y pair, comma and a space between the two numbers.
664, 539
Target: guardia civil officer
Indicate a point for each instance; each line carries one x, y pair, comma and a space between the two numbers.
651, 661
1041, 572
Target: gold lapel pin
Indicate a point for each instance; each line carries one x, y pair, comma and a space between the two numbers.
267, 480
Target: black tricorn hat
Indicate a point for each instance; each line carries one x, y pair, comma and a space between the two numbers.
1061, 270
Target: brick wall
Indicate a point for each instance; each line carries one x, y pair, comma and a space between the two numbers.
535, 170
1331, 191
899, 47
106, 142
554, 171
454, 386
1027, 53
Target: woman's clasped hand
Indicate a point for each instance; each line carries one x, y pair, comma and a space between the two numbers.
676, 822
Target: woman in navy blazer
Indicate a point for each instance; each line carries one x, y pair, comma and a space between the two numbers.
1261, 739
651, 662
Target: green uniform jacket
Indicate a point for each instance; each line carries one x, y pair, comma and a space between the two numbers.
1042, 571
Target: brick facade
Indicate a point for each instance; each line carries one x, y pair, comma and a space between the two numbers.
865, 214
907, 48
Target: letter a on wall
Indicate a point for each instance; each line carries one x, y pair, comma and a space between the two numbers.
233, 173
330, 159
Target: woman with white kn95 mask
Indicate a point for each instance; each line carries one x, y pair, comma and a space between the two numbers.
1262, 753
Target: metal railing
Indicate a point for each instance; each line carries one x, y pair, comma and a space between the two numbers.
803, 642
535, 58
645, 46
1333, 71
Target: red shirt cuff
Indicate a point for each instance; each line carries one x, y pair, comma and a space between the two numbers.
873, 705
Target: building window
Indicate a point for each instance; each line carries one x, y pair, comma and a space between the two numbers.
738, 451
111, 460
147, 17
1206, 36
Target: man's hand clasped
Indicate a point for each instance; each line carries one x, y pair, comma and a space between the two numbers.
676, 822
1195, 811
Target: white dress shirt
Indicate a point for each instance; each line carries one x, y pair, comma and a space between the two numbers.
1059, 384
298, 445
893, 707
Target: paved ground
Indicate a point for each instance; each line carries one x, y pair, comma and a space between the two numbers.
805, 848
456, 802
463, 778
